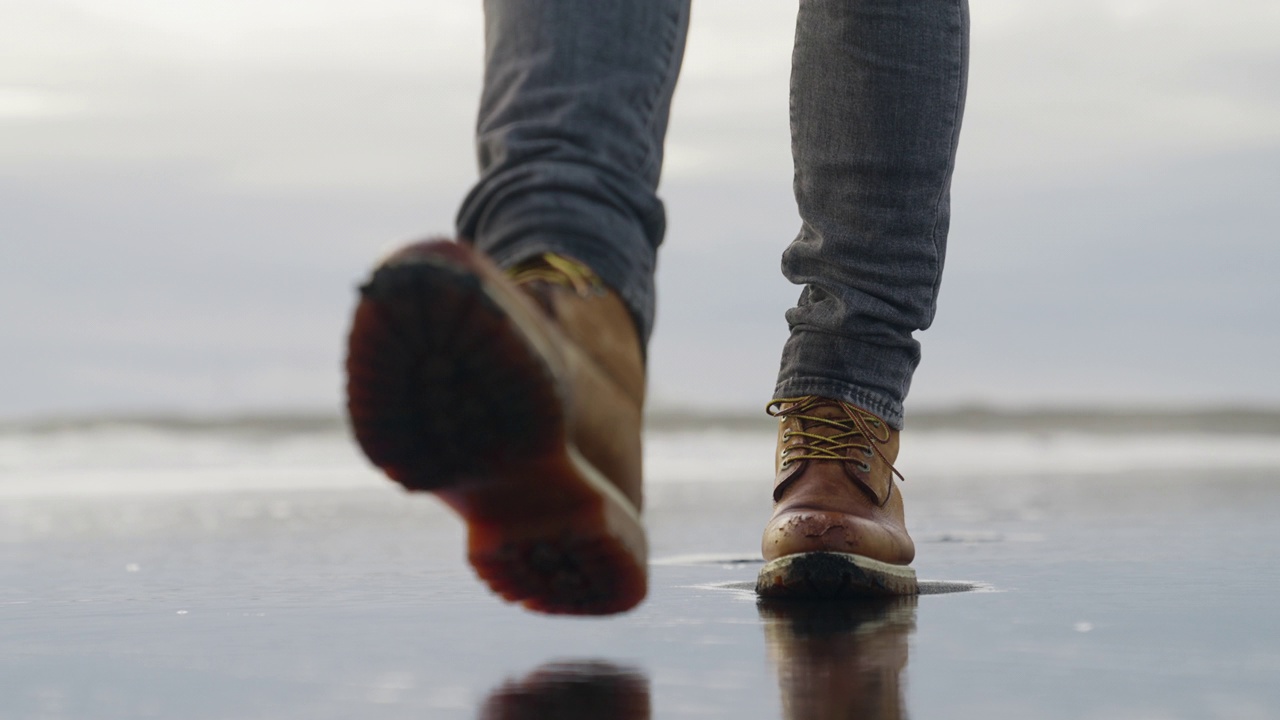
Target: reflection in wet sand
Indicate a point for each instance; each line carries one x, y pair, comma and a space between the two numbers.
840, 659
572, 690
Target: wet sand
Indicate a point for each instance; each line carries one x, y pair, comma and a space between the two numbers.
1107, 596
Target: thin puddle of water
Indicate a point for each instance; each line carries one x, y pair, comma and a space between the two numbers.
927, 587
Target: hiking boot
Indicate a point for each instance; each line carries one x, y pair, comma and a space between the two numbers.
516, 398
838, 528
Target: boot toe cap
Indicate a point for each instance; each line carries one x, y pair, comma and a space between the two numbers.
805, 530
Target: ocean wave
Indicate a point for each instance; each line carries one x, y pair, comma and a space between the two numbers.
977, 419
108, 458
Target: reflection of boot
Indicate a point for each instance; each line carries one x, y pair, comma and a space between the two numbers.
582, 690
840, 659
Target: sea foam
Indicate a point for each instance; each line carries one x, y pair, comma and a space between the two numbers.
137, 457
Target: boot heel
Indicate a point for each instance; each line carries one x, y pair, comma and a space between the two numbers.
556, 539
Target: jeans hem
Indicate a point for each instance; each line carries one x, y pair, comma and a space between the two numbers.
888, 410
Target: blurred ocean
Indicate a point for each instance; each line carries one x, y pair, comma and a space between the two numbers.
173, 455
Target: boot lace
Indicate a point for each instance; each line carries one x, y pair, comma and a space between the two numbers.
833, 439
558, 270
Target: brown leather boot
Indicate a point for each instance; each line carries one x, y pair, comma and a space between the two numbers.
516, 397
838, 528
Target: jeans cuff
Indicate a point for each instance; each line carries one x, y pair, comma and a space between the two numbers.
871, 376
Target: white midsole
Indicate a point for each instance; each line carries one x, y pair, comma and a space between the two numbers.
866, 563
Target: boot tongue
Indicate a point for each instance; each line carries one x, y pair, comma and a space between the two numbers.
829, 411
826, 411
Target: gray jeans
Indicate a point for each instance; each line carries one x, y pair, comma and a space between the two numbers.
570, 138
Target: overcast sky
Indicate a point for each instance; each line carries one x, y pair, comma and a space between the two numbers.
189, 192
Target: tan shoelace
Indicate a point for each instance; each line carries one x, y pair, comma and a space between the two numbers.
558, 270
860, 431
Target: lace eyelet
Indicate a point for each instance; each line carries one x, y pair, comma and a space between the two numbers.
864, 467
868, 452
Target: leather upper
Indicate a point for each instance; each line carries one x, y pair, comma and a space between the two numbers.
834, 489
604, 380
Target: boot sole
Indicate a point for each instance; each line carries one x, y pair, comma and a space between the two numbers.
827, 576
433, 355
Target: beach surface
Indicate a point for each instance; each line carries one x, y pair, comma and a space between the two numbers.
253, 571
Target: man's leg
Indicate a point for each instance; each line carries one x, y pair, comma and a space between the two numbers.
570, 136
877, 96
505, 373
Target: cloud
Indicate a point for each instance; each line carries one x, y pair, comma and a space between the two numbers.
189, 191
27, 104
273, 95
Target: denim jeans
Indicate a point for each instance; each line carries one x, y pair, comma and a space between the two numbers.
570, 140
